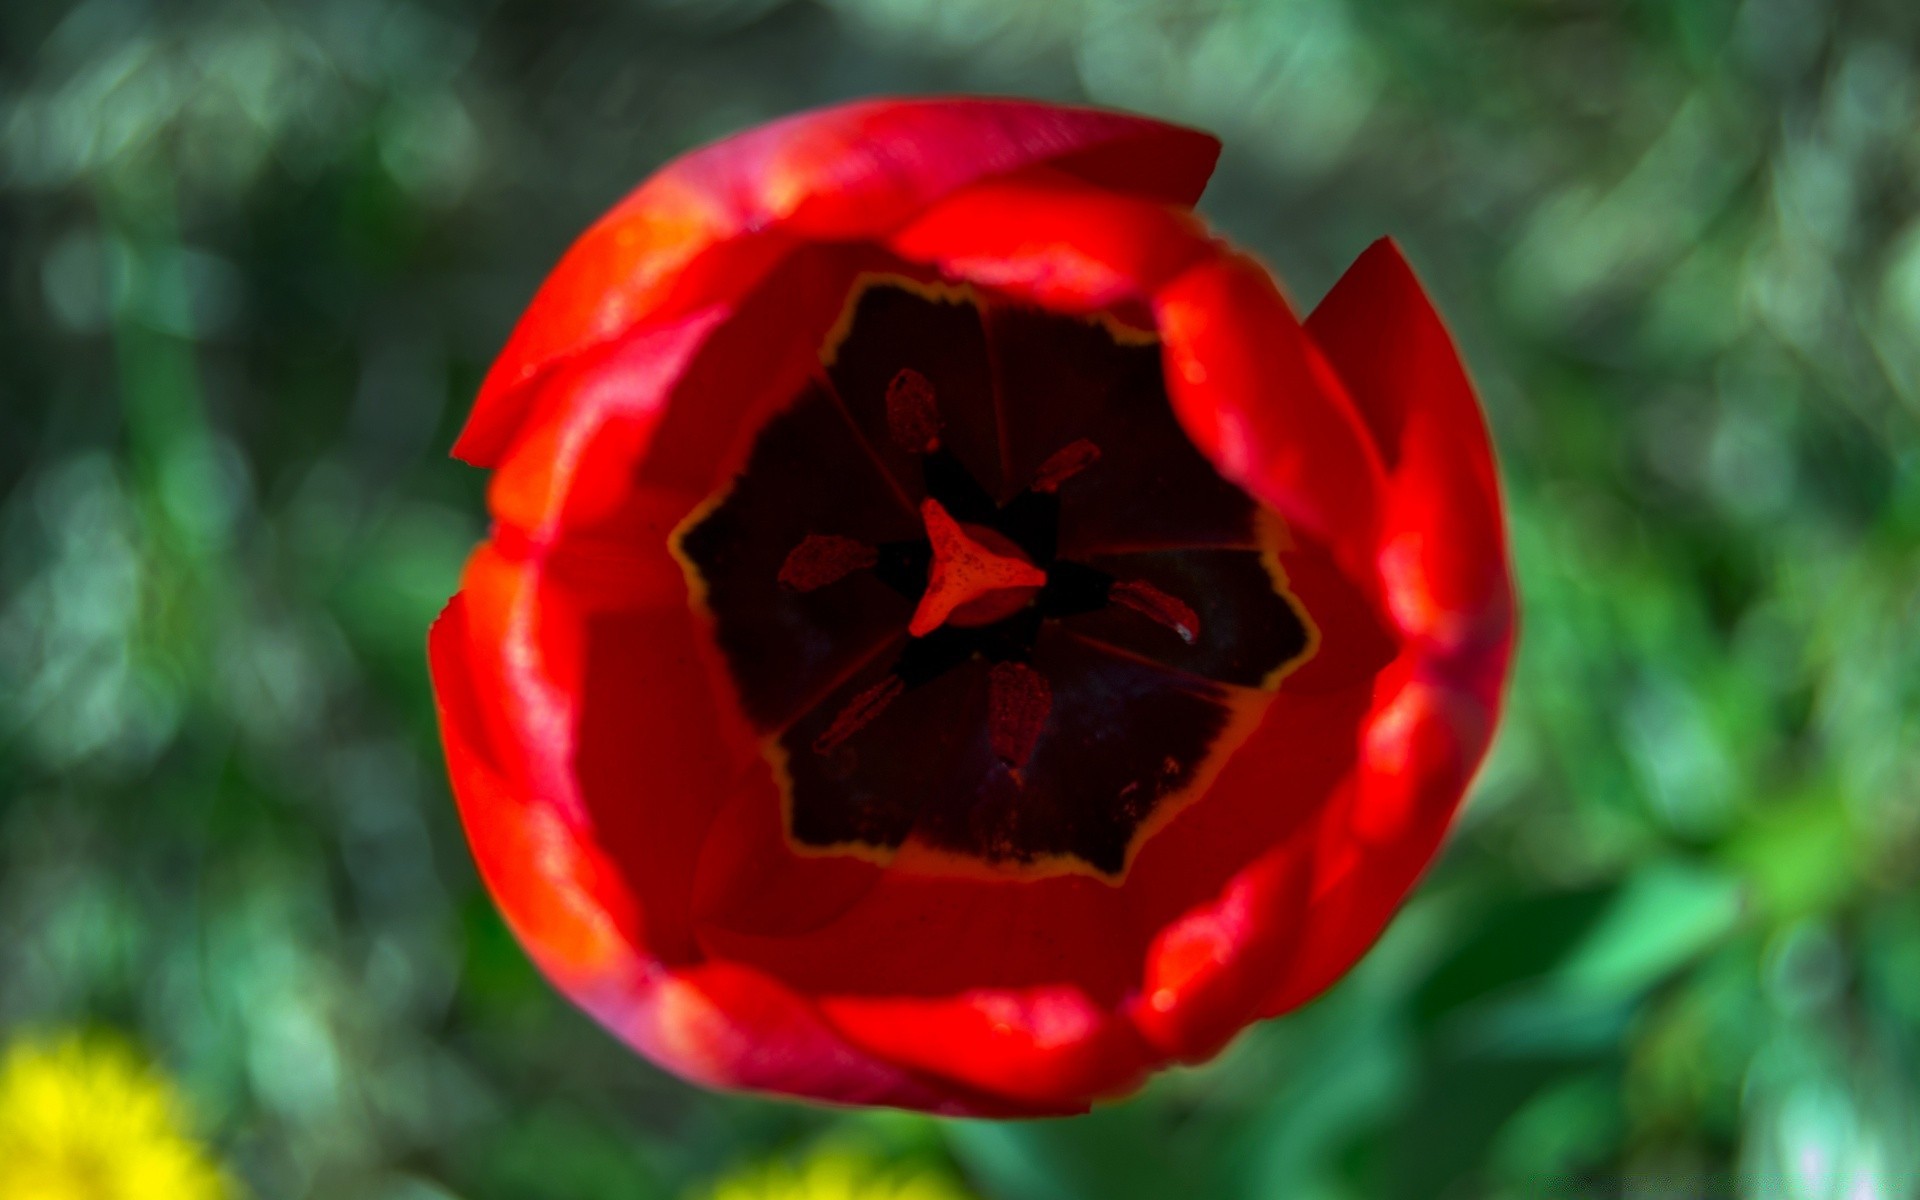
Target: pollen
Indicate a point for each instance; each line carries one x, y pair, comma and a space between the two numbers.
913, 414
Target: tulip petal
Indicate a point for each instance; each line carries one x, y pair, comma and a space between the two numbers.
726, 1025
1217, 946
750, 879
1056, 242
669, 406
1051, 1047
565, 903
1421, 744
572, 470
918, 934
1330, 888
709, 226
1443, 552
1208, 969
1298, 917
754, 365
575, 675
1256, 397
1352, 640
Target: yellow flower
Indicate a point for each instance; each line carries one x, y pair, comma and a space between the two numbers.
835, 1174
84, 1119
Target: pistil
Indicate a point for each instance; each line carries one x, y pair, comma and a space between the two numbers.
970, 581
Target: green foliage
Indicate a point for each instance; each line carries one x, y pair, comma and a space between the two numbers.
256, 258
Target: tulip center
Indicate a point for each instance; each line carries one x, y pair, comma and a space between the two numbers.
981, 596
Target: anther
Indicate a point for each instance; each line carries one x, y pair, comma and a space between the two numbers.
824, 558
860, 712
1019, 701
913, 414
1063, 464
1157, 606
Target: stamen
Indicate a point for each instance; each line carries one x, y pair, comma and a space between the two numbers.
965, 571
913, 415
1063, 464
824, 558
1156, 605
1019, 701
860, 712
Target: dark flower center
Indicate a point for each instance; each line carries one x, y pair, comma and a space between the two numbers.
980, 594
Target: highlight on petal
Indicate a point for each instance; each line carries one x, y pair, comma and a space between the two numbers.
1052, 1047
1208, 970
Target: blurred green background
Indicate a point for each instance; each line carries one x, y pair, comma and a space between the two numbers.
256, 256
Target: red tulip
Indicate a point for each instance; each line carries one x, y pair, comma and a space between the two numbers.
950, 637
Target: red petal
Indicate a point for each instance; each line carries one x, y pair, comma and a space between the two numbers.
725, 1025
593, 694
1223, 923
654, 264
1056, 242
1449, 588
1354, 641
1443, 555
1208, 971
565, 902
920, 935
1297, 919
711, 224
754, 364
749, 879
1423, 740
1253, 394
573, 467
924, 972
1050, 1047
664, 410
